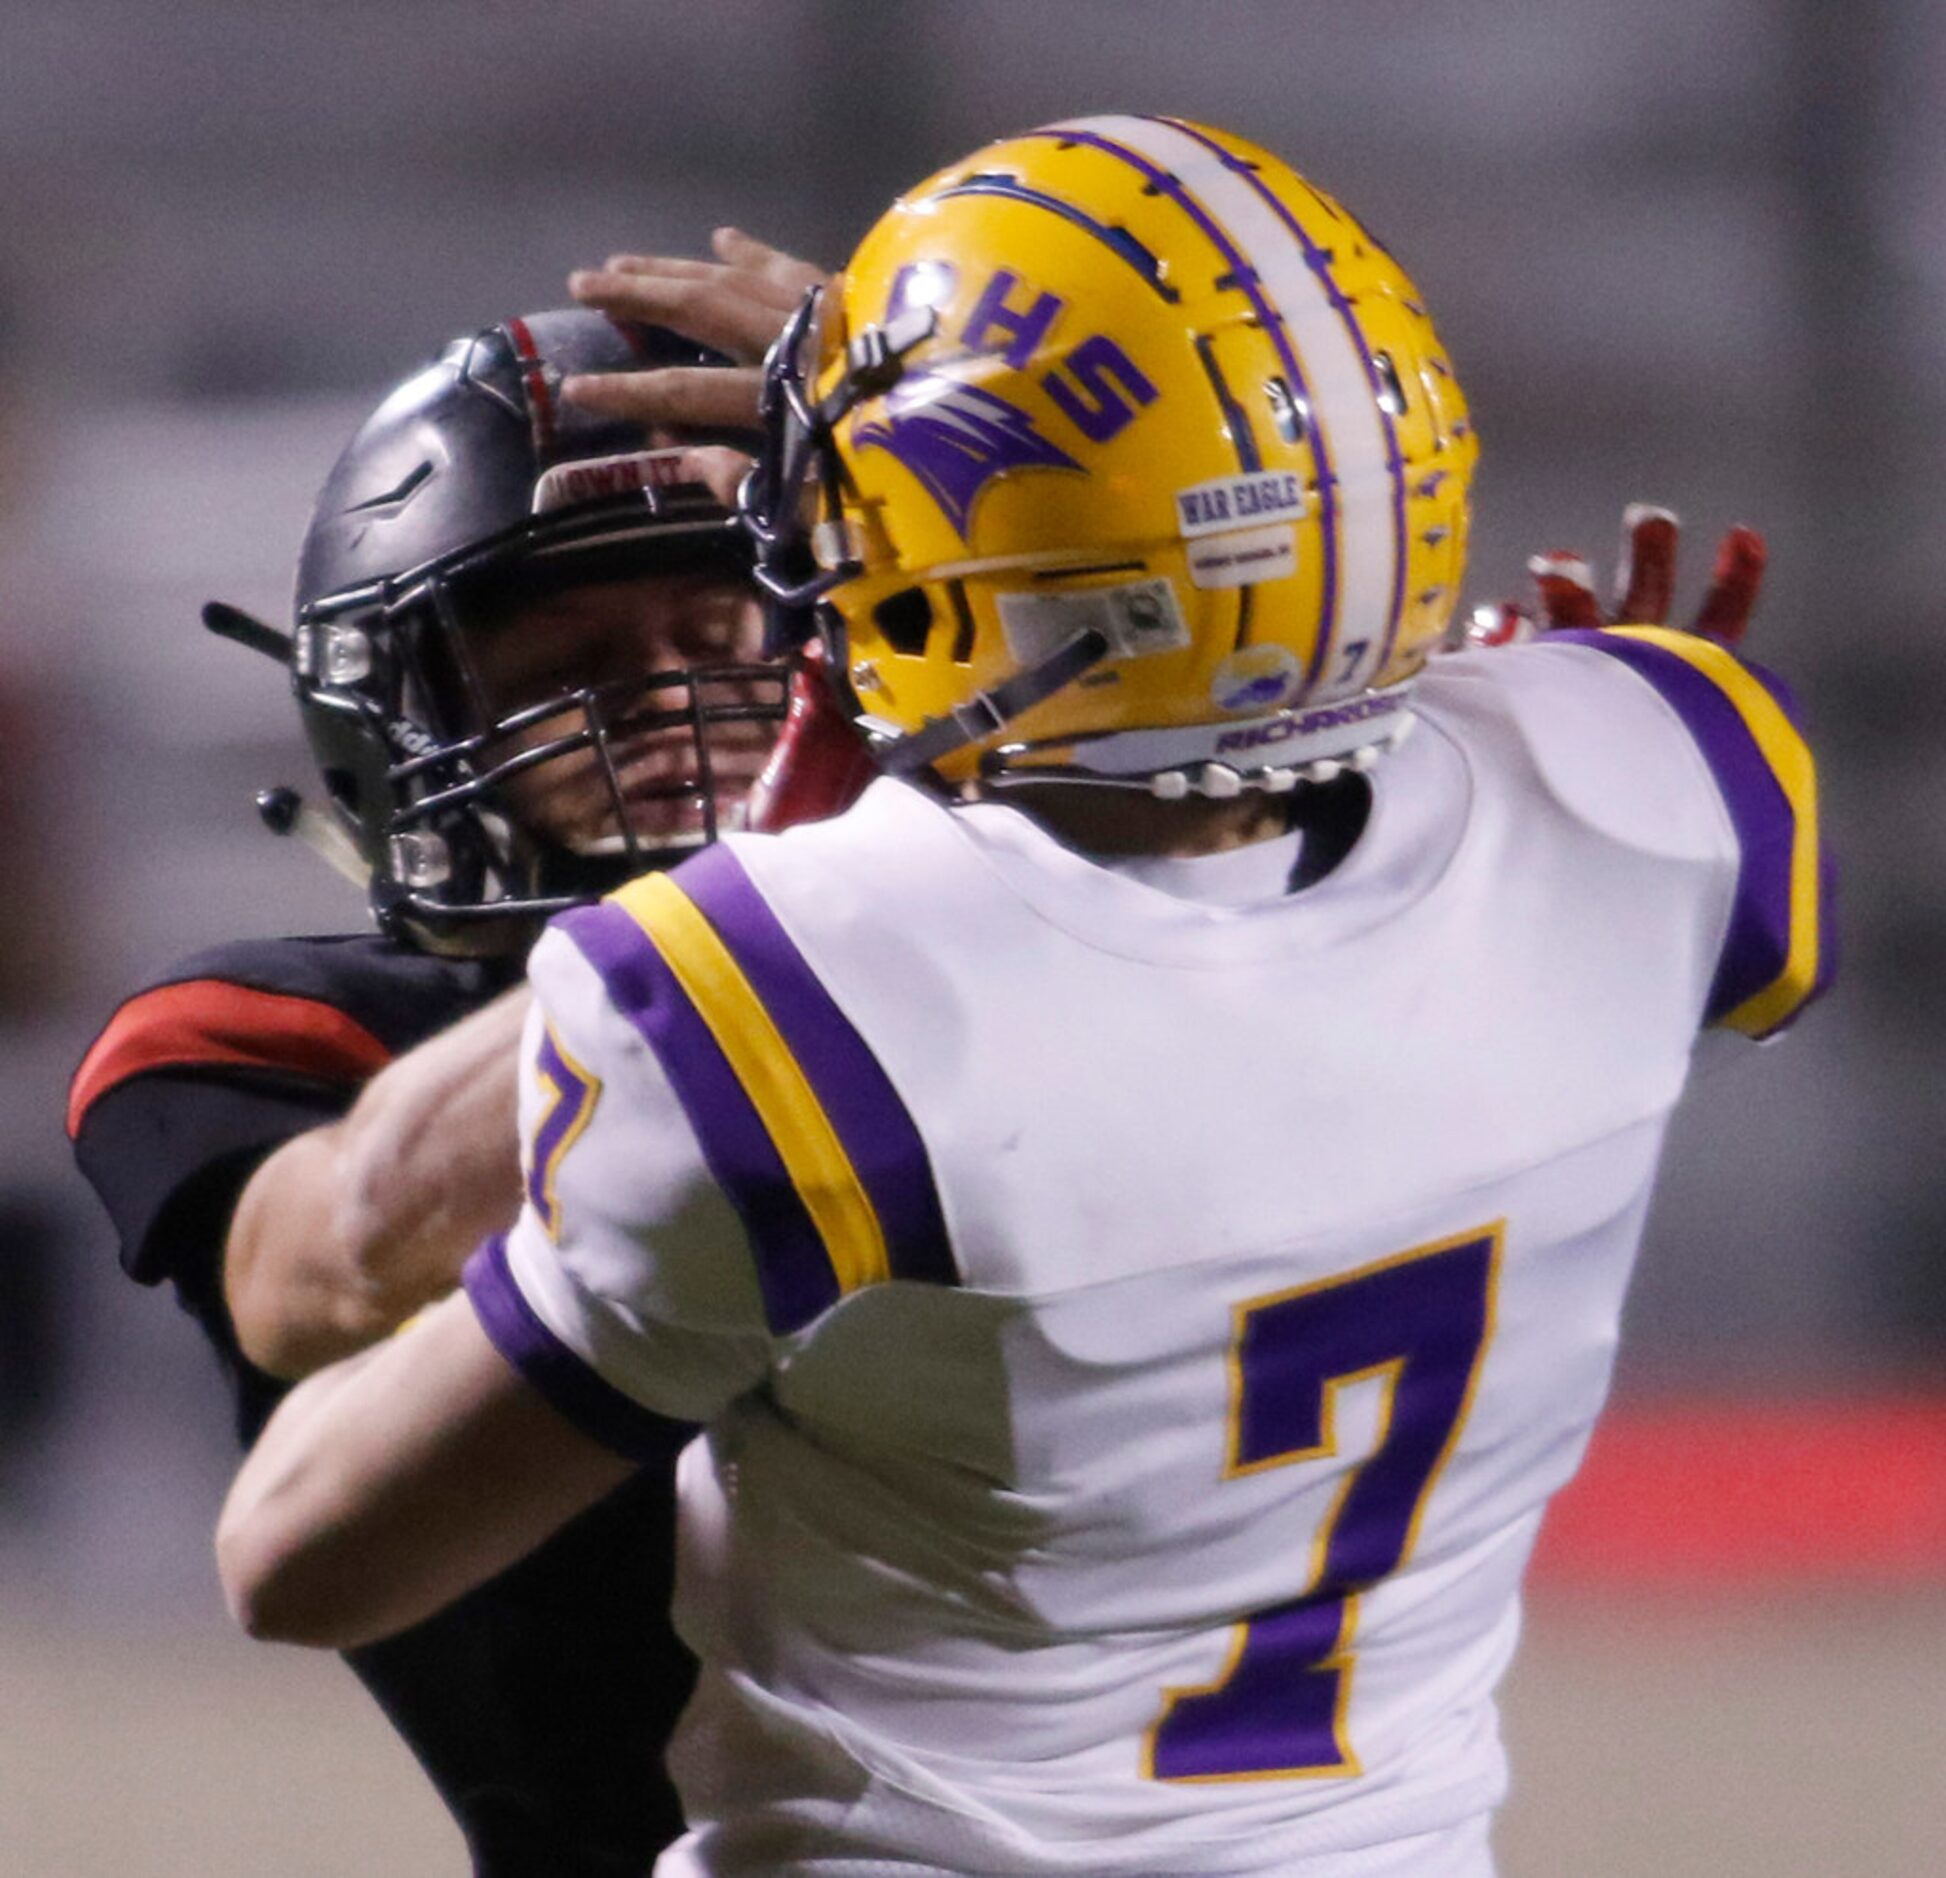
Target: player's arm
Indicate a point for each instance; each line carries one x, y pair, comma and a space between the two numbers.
348, 1229
622, 1308
1740, 727
390, 1483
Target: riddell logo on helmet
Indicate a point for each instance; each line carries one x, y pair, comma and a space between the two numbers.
567, 485
1308, 723
410, 736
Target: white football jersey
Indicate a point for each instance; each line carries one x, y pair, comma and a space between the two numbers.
1138, 1336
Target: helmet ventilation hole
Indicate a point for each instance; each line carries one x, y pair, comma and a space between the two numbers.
962, 623
1289, 412
1391, 393
905, 618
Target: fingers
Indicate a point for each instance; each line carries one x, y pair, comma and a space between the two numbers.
720, 469
790, 275
1567, 591
1739, 574
697, 397
736, 303
1645, 576
1645, 580
722, 307
1504, 624
756, 281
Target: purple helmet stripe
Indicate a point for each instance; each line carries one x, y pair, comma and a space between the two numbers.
871, 1121
794, 1271
563, 1377
1315, 255
1273, 324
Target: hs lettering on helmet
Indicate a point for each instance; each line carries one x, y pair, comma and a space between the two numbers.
1095, 385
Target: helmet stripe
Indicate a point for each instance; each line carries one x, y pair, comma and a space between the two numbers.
540, 400
1247, 279
1118, 241
1373, 663
1296, 278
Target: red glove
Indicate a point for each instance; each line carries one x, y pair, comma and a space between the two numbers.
1645, 579
821, 763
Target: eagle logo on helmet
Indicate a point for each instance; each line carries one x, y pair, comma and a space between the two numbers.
956, 438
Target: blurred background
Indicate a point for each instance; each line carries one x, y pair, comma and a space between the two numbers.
1686, 250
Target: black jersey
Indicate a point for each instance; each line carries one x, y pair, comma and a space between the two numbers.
540, 1703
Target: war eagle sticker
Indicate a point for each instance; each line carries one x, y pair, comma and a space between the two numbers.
1239, 502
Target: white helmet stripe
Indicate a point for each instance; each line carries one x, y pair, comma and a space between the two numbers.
1324, 333
1168, 183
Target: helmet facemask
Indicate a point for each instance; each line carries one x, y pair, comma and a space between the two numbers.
465, 824
496, 652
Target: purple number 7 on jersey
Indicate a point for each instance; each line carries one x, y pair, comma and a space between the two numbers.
1418, 1323
571, 1094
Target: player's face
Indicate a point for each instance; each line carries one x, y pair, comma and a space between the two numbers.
610, 637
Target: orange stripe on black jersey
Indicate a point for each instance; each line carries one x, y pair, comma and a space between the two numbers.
208, 1021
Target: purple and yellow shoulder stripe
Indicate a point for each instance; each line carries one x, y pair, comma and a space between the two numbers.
1781, 948
799, 1123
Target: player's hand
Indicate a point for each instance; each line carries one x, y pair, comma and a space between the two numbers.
1645, 580
718, 468
821, 764
737, 303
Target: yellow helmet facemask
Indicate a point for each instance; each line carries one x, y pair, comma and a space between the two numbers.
1136, 460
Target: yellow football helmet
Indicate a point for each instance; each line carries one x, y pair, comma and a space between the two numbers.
1137, 459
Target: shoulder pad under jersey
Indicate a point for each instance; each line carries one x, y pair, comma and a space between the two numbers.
1652, 709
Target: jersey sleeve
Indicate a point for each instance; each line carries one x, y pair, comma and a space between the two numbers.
624, 1291
195, 1079
187, 1088
1779, 947
714, 1155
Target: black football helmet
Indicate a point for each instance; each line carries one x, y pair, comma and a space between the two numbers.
471, 489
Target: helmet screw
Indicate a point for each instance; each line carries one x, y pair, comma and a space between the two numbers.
278, 808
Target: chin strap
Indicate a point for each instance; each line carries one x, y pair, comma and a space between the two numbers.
245, 629
285, 812
987, 711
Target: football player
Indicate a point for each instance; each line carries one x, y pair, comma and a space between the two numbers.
1145, 1250
524, 652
